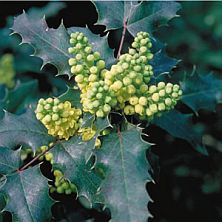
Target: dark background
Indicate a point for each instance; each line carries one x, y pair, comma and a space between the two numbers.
188, 185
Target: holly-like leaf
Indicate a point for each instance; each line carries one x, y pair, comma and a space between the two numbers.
20, 95
202, 91
24, 129
123, 154
144, 16
161, 62
73, 96
26, 191
72, 157
99, 44
180, 125
51, 45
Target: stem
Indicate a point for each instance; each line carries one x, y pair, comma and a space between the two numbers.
122, 38
36, 158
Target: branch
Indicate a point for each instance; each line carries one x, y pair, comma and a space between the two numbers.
36, 158
122, 38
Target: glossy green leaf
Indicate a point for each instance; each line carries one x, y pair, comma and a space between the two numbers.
51, 45
180, 125
161, 62
23, 129
144, 16
123, 154
202, 91
73, 96
72, 156
26, 191
21, 95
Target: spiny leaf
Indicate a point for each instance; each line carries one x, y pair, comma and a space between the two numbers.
123, 155
50, 44
202, 91
145, 16
161, 62
18, 97
99, 44
73, 96
180, 125
23, 61
72, 156
26, 191
24, 129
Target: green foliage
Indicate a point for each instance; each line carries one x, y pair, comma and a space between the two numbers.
202, 91
102, 159
181, 126
71, 158
24, 129
144, 16
126, 169
45, 41
26, 191
23, 62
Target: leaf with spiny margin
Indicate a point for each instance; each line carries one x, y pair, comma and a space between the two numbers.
16, 99
72, 156
162, 64
26, 191
202, 91
51, 45
21, 95
180, 125
123, 155
145, 16
99, 44
23, 129
23, 61
73, 96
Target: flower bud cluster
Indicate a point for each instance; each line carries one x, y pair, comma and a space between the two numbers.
98, 99
125, 85
7, 72
159, 98
61, 120
129, 77
62, 185
48, 156
88, 133
86, 65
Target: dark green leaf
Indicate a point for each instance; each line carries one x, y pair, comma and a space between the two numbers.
123, 155
20, 95
180, 125
50, 45
23, 129
73, 96
161, 63
72, 157
26, 191
99, 44
202, 91
145, 16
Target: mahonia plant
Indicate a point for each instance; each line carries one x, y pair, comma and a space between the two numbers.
95, 150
